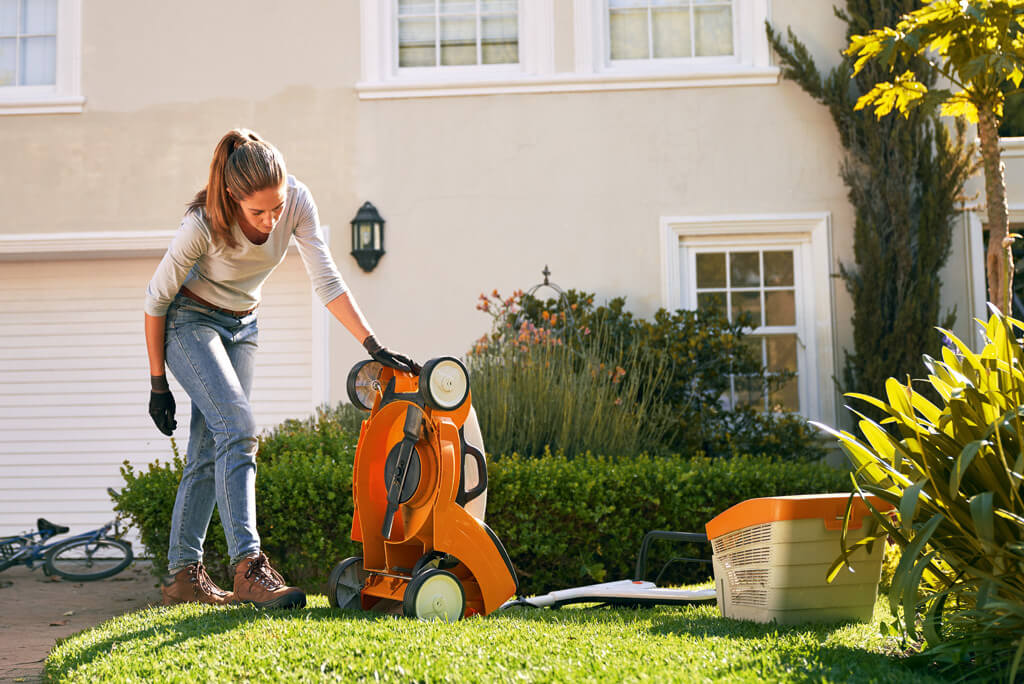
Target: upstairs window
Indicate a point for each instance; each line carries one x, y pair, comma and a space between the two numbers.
443, 33
28, 43
670, 29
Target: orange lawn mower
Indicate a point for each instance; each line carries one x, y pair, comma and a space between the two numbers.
419, 486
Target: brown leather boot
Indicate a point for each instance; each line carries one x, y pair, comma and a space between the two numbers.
191, 584
262, 586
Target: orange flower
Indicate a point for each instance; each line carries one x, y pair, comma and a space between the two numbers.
545, 315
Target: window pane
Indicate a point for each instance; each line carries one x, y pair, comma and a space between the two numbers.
499, 6
744, 269
747, 302
671, 33
458, 41
778, 268
416, 43
749, 391
615, 4
416, 7
39, 16
756, 345
711, 270
713, 26
500, 40
779, 308
8, 60
628, 34
786, 398
8, 17
781, 353
38, 61
458, 6
711, 300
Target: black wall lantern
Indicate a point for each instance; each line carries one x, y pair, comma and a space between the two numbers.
367, 237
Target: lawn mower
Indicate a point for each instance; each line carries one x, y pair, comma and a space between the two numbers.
419, 486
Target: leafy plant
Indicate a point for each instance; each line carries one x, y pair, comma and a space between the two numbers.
683, 359
532, 389
954, 473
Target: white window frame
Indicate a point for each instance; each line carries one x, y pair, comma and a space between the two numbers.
383, 78
65, 96
809, 236
750, 63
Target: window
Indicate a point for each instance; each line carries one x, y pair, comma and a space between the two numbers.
761, 284
39, 56
669, 29
435, 33
634, 44
28, 42
774, 268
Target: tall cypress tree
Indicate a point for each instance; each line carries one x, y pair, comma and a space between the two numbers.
904, 175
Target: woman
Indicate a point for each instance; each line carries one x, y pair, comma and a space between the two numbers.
201, 322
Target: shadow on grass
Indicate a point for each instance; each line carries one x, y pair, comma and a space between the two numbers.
169, 635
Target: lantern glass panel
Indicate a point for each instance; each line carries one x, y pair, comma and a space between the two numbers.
365, 235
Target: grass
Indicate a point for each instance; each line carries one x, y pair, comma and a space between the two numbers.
685, 644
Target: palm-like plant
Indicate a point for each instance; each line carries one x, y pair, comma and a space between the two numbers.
954, 473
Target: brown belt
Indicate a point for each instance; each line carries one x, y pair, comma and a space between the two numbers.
196, 298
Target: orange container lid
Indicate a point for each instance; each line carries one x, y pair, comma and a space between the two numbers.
828, 507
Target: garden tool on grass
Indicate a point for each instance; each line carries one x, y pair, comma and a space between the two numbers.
419, 484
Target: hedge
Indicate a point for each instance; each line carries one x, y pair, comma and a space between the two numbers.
564, 521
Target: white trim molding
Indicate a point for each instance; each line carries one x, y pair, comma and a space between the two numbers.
1012, 147
321, 341
65, 96
810, 235
84, 245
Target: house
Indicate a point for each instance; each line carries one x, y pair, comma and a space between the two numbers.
645, 149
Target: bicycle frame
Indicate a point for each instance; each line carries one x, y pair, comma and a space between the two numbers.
35, 546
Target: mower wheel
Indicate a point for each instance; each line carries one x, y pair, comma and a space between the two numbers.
346, 583
435, 595
444, 383
363, 383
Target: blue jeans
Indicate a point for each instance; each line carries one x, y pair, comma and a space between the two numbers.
211, 354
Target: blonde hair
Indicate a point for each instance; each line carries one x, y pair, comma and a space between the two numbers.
243, 163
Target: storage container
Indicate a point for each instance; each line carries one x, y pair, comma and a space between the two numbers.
771, 557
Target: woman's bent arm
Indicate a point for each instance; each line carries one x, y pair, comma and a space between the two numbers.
344, 308
155, 343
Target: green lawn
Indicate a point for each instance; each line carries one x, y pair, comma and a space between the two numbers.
202, 643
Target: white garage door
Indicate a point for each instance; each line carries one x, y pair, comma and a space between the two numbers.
74, 385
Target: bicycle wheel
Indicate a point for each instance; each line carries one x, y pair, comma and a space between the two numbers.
89, 559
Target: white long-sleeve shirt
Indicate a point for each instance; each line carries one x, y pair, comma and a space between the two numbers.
232, 278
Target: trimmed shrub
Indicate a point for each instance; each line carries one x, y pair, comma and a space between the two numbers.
303, 502
564, 521
572, 521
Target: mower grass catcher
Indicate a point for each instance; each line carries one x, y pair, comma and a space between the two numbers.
427, 552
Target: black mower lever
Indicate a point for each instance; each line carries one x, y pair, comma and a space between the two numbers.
413, 421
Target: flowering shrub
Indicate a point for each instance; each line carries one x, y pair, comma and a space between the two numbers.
680, 364
533, 388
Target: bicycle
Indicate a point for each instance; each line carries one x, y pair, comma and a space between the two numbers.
92, 555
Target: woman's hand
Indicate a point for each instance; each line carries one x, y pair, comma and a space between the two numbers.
389, 358
161, 405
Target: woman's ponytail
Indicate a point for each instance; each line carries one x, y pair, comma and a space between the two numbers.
244, 163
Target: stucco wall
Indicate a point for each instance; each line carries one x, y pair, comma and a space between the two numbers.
479, 192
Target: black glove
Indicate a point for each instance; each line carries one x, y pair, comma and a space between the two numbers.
390, 358
161, 405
